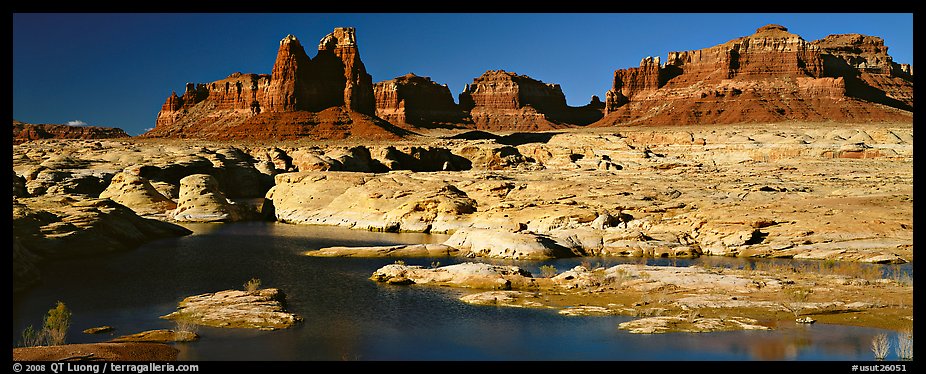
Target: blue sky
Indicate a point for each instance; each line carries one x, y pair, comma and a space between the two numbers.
117, 69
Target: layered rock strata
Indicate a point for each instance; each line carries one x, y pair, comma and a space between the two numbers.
326, 97
24, 132
417, 102
260, 309
824, 191
500, 100
770, 76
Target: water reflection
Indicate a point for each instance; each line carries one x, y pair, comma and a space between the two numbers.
349, 317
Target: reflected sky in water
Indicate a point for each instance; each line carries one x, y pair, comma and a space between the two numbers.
349, 317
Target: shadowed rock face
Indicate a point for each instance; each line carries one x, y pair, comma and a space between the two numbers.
328, 97
50, 227
772, 75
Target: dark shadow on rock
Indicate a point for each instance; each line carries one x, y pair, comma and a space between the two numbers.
519, 138
474, 135
856, 86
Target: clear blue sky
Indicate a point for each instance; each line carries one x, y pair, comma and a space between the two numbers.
117, 69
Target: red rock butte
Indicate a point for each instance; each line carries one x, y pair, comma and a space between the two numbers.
770, 76
501, 100
24, 132
497, 100
326, 97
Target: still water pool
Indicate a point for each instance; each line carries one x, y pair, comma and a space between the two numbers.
349, 317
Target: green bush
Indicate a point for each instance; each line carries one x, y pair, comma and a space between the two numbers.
57, 323
53, 332
548, 271
252, 285
31, 337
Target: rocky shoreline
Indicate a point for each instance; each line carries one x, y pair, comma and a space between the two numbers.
677, 299
829, 192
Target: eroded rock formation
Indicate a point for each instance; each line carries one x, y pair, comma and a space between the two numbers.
259, 309
770, 76
201, 200
415, 101
328, 97
501, 100
24, 132
65, 226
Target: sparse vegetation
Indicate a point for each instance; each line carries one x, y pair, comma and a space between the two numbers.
692, 315
252, 285
435, 264
617, 279
31, 337
184, 323
590, 266
880, 346
904, 349
548, 271
400, 262
826, 267
796, 296
901, 277
57, 323
799, 294
53, 332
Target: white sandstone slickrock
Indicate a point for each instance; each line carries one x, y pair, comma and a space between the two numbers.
201, 200
261, 309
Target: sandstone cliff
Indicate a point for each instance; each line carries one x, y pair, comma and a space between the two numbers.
500, 100
24, 132
415, 101
770, 76
328, 97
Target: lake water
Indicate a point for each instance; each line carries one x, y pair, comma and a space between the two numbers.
349, 317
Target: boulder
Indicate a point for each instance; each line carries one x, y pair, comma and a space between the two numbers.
503, 244
661, 325
468, 274
521, 299
158, 336
51, 227
201, 201
137, 194
414, 250
261, 309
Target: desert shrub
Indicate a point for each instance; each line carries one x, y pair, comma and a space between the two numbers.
617, 279
880, 346
799, 294
548, 271
796, 296
825, 267
57, 323
252, 285
904, 347
692, 315
185, 323
31, 337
